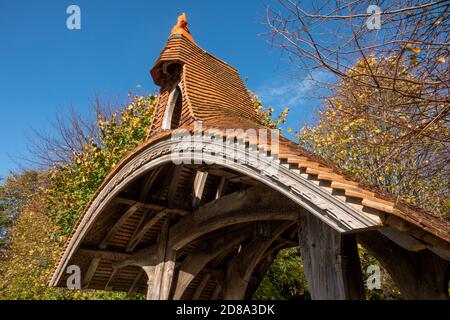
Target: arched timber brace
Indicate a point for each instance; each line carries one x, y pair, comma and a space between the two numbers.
240, 268
418, 275
234, 209
249, 205
210, 248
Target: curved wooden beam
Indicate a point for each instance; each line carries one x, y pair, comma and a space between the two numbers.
239, 207
241, 267
143, 257
194, 263
148, 183
266, 260
136, 238
418, 275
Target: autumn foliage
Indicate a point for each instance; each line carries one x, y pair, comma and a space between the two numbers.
391, 140
47, 204
72, 184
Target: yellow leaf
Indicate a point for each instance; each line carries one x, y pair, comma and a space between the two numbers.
410, 47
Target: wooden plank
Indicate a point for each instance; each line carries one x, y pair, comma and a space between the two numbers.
201, 286
119, 223
351, 268
143, 257
335, 177
142, 221
134, 241
346, 186
377, 205
104, 254
150, 271
112, 279
155, 292
198, 187
173, 185
221, 187
143, 205
149, 183
266, 262
403, 239
90, 272
296, 159
314, 170
362, 195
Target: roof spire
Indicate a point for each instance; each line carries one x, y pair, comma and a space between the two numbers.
181, 27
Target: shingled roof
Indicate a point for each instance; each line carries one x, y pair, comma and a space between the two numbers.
212, 89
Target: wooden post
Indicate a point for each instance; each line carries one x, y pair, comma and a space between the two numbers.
150, 271
418, 275
208, 250
164, 269
330, 260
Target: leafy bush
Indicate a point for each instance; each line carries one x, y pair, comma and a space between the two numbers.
285, 279
17, 190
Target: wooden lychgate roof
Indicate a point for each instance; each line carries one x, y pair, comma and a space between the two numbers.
217, 208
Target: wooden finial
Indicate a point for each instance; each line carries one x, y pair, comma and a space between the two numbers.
182, 27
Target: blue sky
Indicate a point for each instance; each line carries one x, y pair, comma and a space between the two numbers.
45, 68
